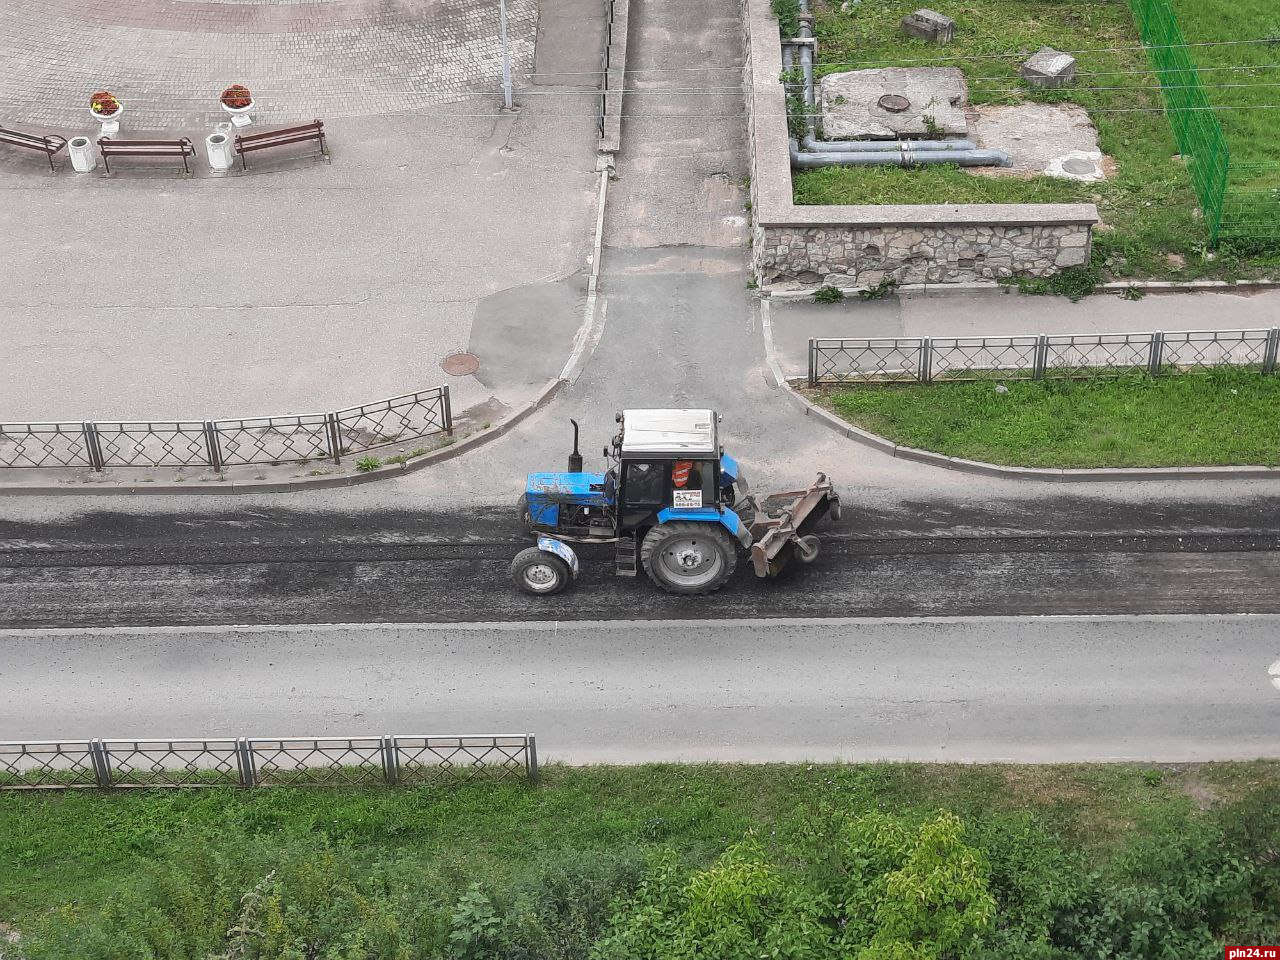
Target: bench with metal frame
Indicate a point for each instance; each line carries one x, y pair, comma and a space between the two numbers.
246, 143
48, 145
146, 148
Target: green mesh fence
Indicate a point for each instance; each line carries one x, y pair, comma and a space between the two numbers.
1240, 200
1195, 126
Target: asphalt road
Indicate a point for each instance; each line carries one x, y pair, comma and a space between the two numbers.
1012, 558
1166, 689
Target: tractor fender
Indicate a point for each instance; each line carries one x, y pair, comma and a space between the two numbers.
723, 516
732, 474
560, 549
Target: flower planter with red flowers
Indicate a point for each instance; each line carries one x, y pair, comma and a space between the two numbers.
237, 101
105, 107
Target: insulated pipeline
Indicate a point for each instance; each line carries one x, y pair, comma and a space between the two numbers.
901, 158
872, 146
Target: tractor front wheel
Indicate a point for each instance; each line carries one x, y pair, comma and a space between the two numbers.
540, 573
689, 558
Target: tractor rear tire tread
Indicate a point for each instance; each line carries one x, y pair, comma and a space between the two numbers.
659, 535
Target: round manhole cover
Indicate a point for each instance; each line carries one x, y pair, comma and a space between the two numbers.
1081, 168
894, 102
460, 364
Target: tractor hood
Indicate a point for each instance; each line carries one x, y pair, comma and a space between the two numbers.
567, 487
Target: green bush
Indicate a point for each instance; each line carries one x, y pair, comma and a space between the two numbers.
913, 890
788, 14
740, 906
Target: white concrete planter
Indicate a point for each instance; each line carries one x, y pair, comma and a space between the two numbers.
111, 124
217, 147
240, 115
83, 159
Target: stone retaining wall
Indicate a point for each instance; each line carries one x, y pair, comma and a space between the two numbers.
952, 253
858, 246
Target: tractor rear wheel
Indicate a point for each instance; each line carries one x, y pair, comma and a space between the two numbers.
689, 558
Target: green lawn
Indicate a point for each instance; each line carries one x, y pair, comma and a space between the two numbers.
1149, 209
1224, 417
511, 871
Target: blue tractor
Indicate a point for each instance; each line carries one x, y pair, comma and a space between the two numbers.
675, 504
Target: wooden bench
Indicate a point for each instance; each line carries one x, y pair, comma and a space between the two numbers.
279, 138
146, 148
49, 145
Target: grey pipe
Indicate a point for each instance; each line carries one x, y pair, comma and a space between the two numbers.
806, 64
874, 146
901, 158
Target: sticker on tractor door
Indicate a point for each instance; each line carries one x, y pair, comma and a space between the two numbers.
686, 499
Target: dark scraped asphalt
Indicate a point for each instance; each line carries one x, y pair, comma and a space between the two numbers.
1064, 556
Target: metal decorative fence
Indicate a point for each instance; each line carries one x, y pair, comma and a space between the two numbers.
219, 443
268, 762
1054, 356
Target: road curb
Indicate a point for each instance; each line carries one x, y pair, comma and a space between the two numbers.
980, 467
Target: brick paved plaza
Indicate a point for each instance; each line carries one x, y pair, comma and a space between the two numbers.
168, 60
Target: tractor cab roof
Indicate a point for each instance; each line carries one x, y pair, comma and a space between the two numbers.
669, 433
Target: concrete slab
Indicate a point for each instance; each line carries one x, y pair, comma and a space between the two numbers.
1034, 135
851, 108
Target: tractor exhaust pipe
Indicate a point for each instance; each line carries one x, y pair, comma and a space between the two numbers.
575, 458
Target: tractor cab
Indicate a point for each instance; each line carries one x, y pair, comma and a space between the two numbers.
669, 464
672, 501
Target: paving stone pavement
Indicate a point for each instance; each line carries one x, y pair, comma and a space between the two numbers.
168, 60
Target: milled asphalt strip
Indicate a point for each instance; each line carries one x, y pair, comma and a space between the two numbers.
978, 689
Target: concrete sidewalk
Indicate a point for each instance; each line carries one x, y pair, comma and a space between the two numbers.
1009, 314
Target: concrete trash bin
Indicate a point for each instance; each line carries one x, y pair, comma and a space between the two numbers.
83, 159
218, 147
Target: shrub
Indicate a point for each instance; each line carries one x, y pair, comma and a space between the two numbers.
912, 890
366, 464
561, 912
788, 14
828, 294
1172, 891
740, 906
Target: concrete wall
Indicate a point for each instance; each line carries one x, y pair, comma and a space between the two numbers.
862, 245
